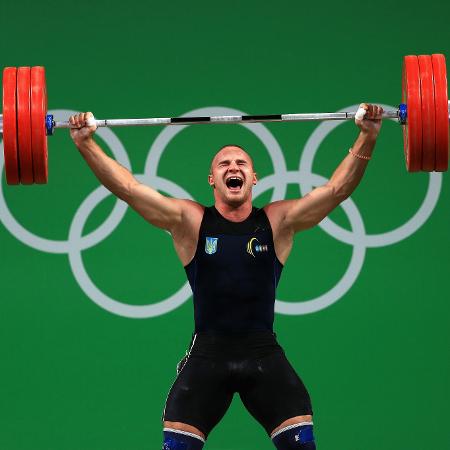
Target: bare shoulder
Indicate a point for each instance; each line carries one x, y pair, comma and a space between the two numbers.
191, 217
282, 233
192, 209
185, 234
277, 212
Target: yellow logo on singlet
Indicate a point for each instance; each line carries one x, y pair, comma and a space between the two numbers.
257, 247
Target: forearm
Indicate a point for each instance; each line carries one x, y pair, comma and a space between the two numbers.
109, 172
349, 173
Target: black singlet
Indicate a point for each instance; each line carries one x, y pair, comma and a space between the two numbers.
234, 274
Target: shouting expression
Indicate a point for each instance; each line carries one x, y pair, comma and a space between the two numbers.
232, 176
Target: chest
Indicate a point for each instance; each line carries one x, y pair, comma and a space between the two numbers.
245, 252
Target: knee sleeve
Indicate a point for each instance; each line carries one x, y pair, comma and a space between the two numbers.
181, 440
299, 436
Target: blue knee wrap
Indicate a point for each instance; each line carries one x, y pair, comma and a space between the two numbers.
296, 436
181, 440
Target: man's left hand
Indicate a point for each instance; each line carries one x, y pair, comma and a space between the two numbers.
371, 123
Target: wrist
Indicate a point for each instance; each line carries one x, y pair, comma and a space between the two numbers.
84, 143
359, 155
368, 136
364, 144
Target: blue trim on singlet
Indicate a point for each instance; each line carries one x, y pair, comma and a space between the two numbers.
234, 274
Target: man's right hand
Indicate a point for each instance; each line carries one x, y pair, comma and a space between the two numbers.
82, 132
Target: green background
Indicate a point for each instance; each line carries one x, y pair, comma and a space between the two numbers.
74, 376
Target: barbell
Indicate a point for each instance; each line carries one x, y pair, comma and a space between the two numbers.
423, 115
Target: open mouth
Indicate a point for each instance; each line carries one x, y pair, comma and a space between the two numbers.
234, 183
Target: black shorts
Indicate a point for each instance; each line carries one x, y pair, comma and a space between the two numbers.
253, 365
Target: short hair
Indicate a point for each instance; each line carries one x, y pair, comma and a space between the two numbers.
229, 145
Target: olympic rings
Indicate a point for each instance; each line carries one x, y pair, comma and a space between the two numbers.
278, 181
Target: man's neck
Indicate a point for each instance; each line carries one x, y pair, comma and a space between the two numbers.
234, 213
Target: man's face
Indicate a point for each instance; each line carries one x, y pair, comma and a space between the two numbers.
232, 175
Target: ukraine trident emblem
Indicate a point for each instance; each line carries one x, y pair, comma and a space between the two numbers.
211, 245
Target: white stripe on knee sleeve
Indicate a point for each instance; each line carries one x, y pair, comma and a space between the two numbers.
289, 427
186, 433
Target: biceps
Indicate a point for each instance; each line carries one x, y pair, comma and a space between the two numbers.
161, 211
312, 208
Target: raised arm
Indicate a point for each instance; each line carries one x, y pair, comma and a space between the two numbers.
291, 216
161, 211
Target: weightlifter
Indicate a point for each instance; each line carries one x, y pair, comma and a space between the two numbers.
233, 254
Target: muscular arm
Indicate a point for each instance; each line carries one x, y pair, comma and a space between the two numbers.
303, 213
290, 216
161, 211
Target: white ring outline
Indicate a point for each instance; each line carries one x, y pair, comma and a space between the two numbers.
91, 239
355, 265
258, 129
86, 283
373, 240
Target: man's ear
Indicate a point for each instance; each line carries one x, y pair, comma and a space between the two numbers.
211, 181
255, 178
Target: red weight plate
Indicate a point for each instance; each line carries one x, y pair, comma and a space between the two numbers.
38, 132
428, 113
412, 131
10, 125
441, 102
24, 125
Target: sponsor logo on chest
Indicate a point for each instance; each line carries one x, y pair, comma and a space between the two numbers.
254, 246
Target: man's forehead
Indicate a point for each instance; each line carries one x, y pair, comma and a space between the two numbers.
231, 153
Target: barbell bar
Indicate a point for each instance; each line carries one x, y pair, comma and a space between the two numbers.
424, 115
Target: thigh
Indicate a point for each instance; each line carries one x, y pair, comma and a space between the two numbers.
273, 392
200, 395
